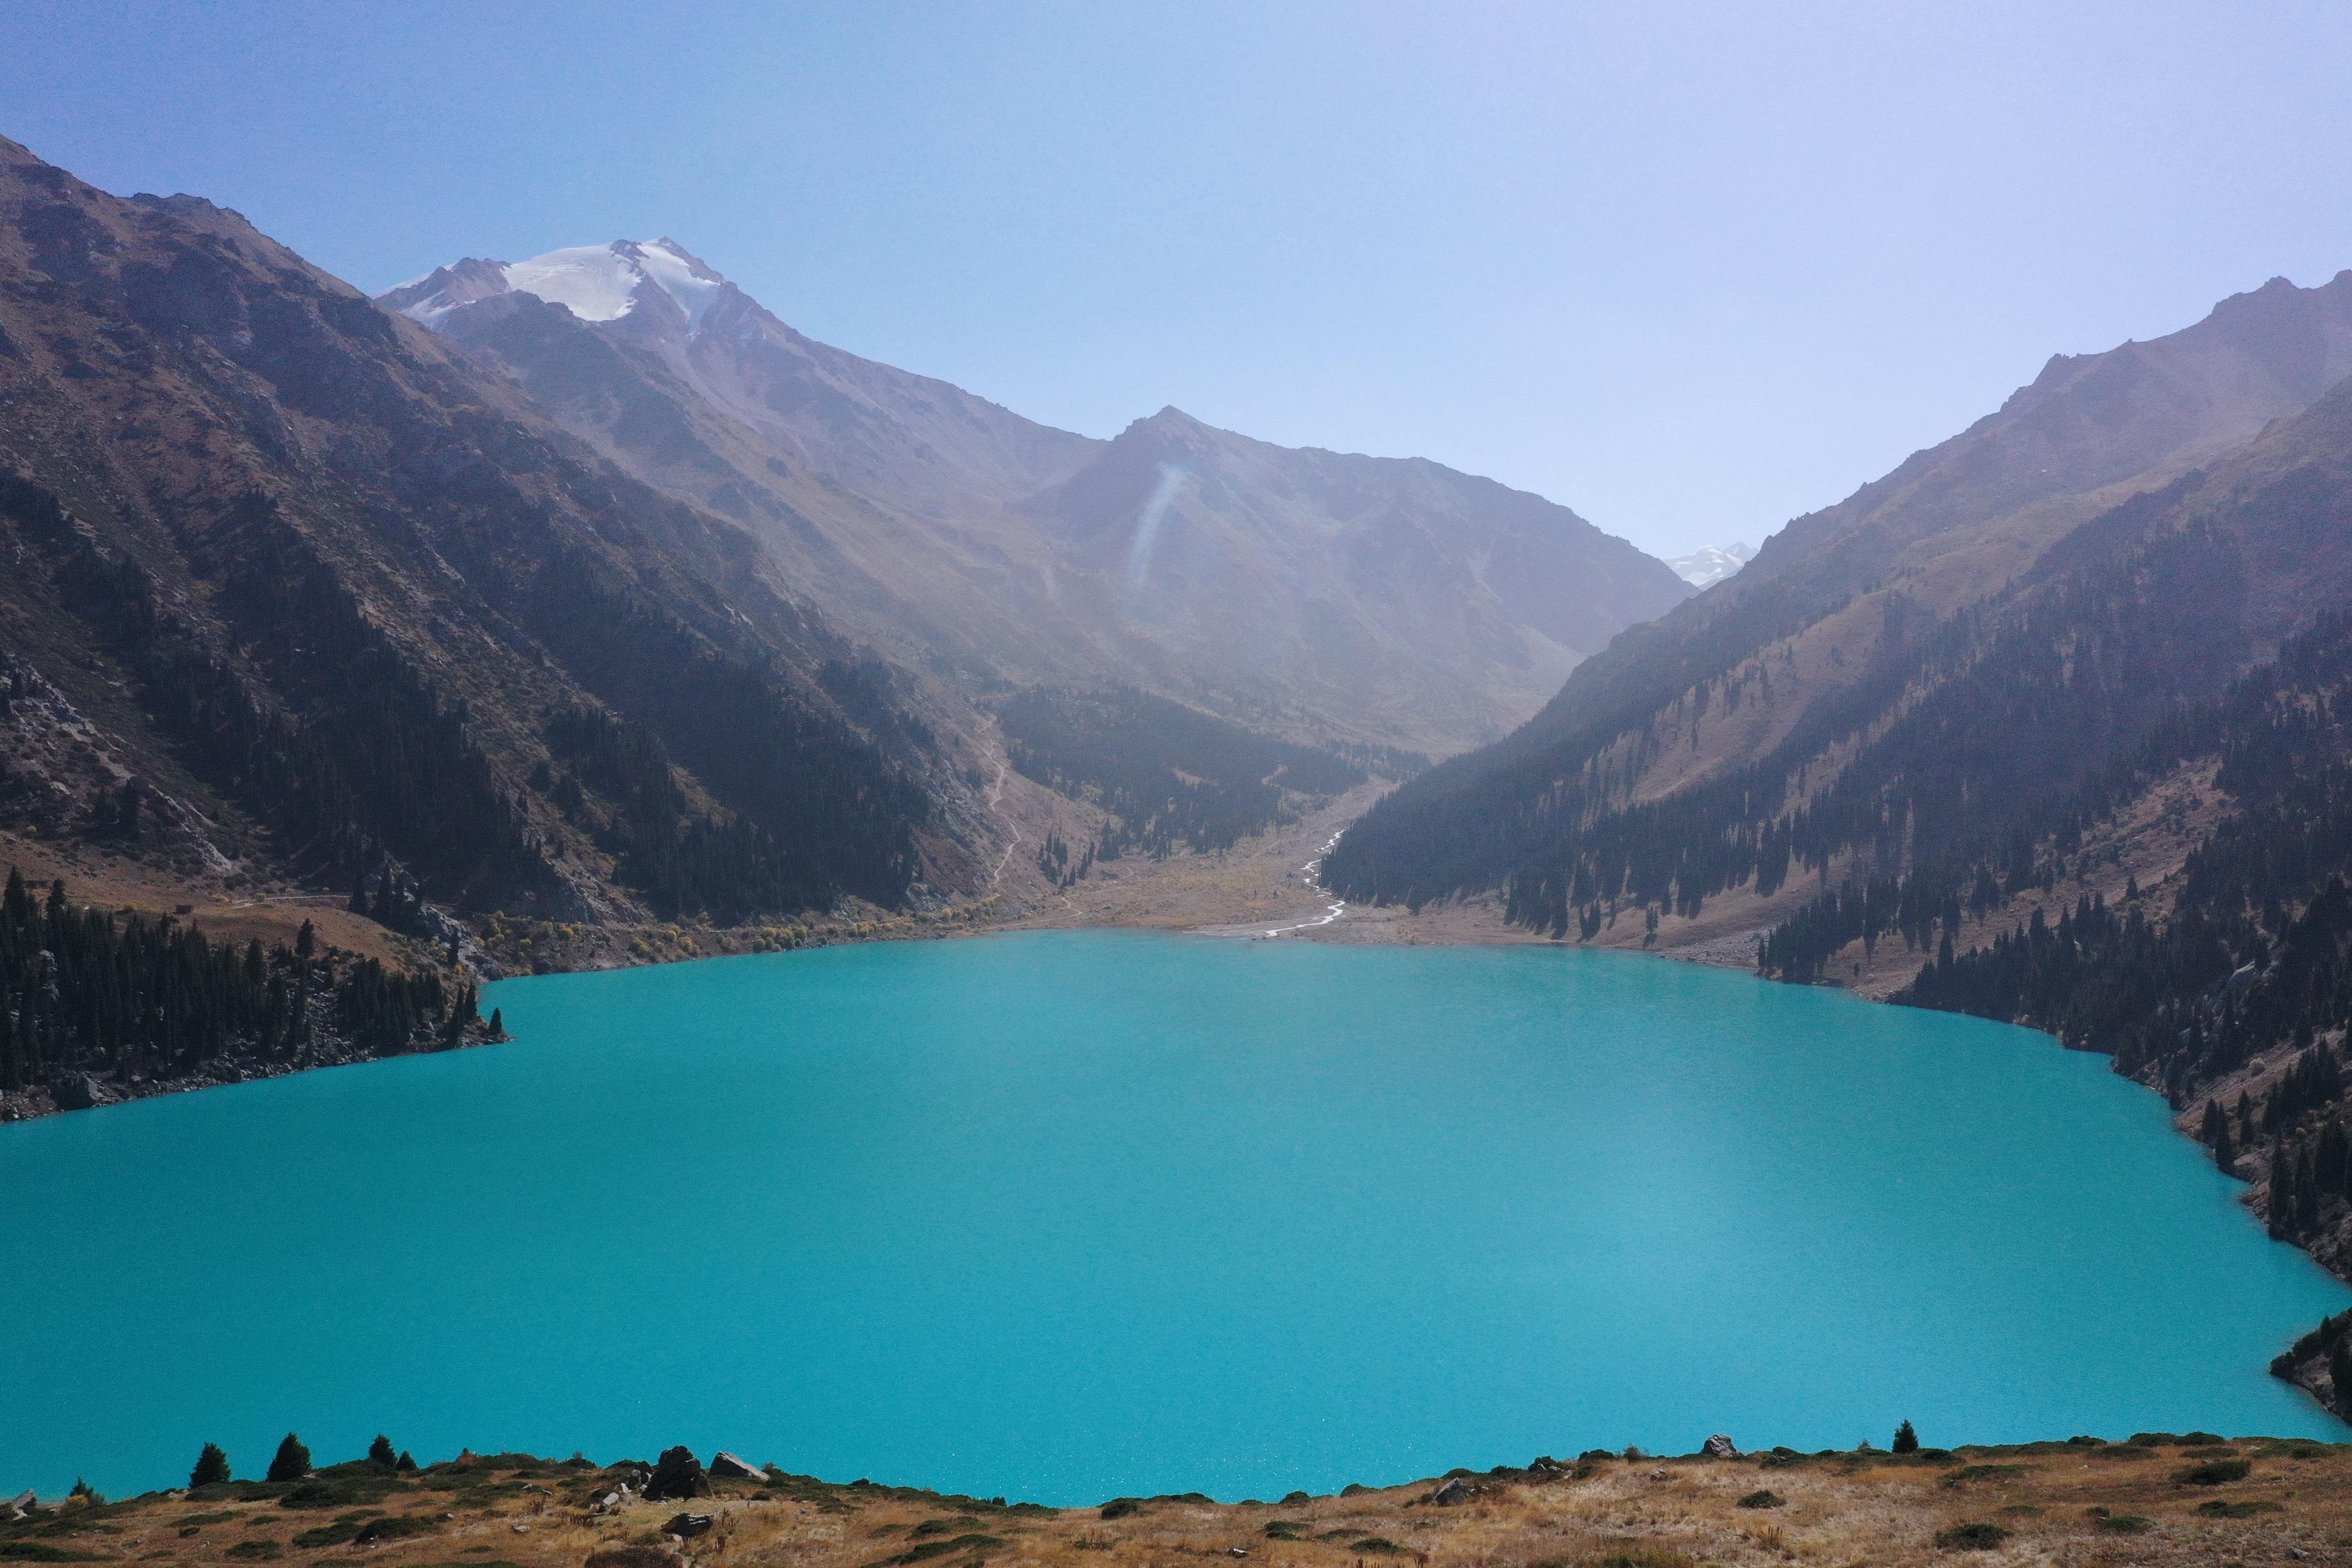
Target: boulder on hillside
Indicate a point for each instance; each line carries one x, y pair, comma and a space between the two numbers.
1720, 1447
687, 1526
1456, 1490
677, 1475
726, 1466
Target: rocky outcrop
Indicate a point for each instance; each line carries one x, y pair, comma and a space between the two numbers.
678, 1476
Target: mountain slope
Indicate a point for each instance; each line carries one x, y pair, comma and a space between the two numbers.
1388, 602
298, 593
1720, 723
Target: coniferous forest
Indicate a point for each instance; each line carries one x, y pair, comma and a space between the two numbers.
86, 992
1173, 775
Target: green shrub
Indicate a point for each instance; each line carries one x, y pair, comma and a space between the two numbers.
2220, 1509
1119, 1507
2123, 1524
2297, 1450
1354, 1489
1976, 1537
1763, 1500
259, 1550
42, 1551
1377, 1545
1966, 1474
931, 1549
2212, 1472
1635, 1554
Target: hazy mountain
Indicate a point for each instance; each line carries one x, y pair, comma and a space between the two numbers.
296, 587
2126, 532
1390, 601
1710, 564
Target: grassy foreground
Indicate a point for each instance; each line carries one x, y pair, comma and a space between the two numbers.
2155, 1500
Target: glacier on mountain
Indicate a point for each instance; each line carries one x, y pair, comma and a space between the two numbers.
1706, 566
594, 282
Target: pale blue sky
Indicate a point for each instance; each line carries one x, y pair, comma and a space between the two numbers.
1691, 268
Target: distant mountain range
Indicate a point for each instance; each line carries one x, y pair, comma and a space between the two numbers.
1389, 601
584, 587
1710, 564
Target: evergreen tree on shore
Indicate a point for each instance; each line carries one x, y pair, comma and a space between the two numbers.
212, 1467
1907, 1441
291, 1462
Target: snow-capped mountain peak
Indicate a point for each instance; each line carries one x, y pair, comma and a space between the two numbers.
594, 282
1706, 566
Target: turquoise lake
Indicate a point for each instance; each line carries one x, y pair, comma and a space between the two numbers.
1067, 1216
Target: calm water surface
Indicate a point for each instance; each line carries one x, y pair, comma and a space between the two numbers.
1074, 1215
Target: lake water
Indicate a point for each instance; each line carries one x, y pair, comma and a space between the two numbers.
1068, 1216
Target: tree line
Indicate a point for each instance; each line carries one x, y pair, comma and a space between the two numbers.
88, 991
1172, 776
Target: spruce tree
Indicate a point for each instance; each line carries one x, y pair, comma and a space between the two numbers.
2339, 1369
380, 1452
292, 1461
212, 1467
2225, 1151
306, 940
1907, 1441
498, 1023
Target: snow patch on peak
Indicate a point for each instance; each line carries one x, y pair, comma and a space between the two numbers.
1706, 567
594, 282
682, 277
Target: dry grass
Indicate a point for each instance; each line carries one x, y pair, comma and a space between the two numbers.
2048, 1503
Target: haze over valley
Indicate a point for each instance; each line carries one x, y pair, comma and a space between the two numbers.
727, 895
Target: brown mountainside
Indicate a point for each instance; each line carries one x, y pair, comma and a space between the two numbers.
288, 587
1796, 662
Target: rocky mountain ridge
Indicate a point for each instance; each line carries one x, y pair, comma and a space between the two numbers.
299, 594
1322, 595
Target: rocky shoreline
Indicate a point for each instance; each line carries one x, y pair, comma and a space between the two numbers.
2158, 1497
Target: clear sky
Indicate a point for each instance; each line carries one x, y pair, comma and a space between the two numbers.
1690, 268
